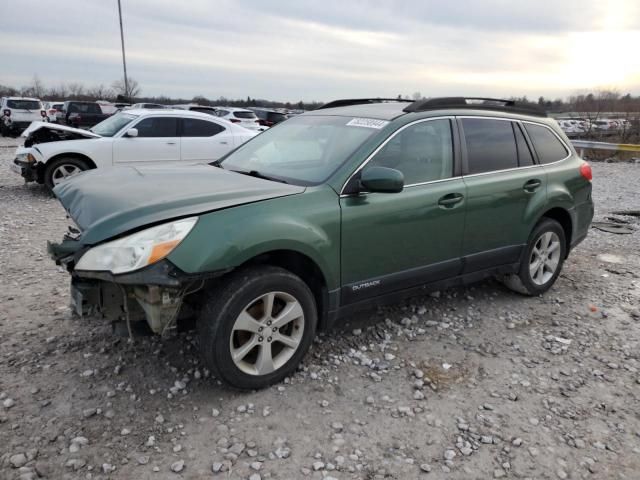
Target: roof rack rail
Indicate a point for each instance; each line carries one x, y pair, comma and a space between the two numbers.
358, 101
475, 103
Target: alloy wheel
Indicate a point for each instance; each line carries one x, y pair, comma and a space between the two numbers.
267, 333
63, 172
545, 258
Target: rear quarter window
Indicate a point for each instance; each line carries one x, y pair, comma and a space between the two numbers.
193, 127
548, 147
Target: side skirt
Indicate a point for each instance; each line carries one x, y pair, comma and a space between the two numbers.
397, 296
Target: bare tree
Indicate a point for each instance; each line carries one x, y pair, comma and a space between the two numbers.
100, 92
134, 87
37, 87
76, 90
591, 106
58, 93
417, 96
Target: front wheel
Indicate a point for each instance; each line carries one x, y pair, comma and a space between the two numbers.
257, 326
543, 259
62, 168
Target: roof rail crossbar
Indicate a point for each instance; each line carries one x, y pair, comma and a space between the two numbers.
358, 101
475, 103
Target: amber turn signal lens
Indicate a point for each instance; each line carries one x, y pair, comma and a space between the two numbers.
161, 250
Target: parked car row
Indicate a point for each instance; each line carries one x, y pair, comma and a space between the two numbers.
18, 113
576, 127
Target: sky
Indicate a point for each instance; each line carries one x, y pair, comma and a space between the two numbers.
291, 50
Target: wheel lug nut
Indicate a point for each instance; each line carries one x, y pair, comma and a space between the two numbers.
269, 339
274, 329
268, 322
259, 329
260, 339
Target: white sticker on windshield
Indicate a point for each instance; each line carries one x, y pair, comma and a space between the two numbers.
367, 123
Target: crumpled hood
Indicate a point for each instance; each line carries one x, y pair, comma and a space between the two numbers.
107, 203
54, 126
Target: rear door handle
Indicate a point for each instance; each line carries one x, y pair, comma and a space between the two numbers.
224, 142
171, 143
450, 200
532, 185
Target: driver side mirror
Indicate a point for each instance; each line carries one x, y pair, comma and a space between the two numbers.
382, 179
132, 132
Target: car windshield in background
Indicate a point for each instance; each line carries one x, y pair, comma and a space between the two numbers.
23, 104
113, 124
210, 111
276, 117
303, 150
84, 108
244, 114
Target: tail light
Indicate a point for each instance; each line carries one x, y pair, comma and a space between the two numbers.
234, 120
585, 171
7, 112
43, 113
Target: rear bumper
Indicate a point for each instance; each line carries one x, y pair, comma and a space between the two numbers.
582, 216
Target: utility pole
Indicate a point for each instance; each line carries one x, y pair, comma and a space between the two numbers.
124, 60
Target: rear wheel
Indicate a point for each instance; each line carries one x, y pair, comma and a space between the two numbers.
62, 168
255, 329
543, 259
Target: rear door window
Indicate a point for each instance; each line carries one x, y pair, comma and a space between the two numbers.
548, 147
490, 143
193, 127
157, 127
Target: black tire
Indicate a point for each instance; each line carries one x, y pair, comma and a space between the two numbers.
223, 306
523, 281
52, 167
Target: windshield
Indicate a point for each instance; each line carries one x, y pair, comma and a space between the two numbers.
304, 150
276, 117
241, 114
24, 104
113, 124
210, 111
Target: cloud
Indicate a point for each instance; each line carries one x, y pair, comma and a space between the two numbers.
293, 50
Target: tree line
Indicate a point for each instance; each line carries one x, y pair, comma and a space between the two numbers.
589, 104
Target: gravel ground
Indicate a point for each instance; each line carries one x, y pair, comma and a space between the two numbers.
471, 383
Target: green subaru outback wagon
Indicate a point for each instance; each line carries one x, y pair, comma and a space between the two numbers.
358, 202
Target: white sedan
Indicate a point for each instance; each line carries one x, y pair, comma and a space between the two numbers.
133, 137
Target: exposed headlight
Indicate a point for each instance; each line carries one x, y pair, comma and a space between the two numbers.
25, 157
137, 250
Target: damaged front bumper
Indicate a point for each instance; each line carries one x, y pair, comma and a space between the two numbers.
155, 294
29, 170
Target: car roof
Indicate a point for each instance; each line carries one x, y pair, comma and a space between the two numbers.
144, 112
389, 108
235, 109
22, 98
382, 111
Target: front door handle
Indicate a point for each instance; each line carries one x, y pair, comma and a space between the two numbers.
450, 200
532, 185
224, 142
171, 143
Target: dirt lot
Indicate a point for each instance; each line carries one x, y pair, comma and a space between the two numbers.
469, 383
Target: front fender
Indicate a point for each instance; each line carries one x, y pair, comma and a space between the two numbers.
308, 223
